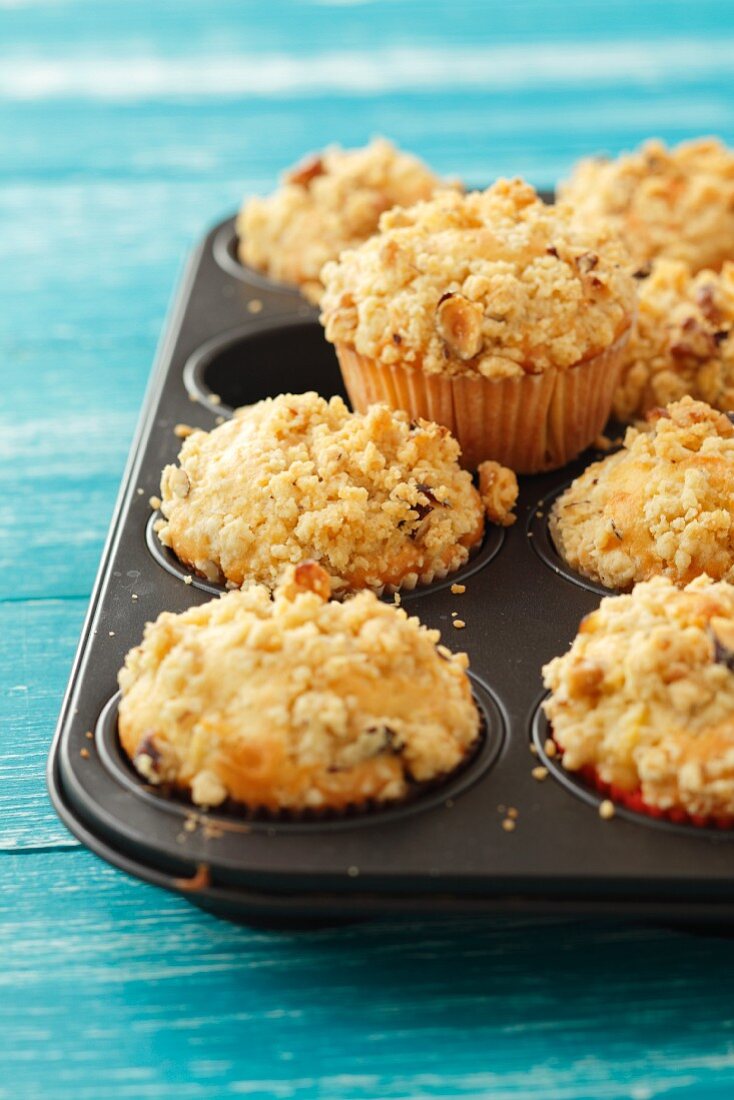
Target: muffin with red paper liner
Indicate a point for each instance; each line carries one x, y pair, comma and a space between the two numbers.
643, 702
490, 313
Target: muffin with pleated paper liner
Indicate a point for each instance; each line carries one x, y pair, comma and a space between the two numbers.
642, 704
491, 313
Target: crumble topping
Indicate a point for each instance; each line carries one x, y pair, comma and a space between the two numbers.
677, 203
664, 504
645, 695
294, 702
375, 498
492, 283
682, 343
329, 202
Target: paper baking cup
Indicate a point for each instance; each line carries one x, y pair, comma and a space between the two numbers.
634, 800
532, 423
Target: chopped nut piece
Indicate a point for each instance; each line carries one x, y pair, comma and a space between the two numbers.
458, 589
539, 773
459, 624
307, 170
459, 323
309, 576
606, 809
178, 481
498, 489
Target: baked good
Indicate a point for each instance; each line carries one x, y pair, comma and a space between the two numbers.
677, 203
491, 313
295, 703
662, 505
682, 342
329, 202
379, 501
644, 699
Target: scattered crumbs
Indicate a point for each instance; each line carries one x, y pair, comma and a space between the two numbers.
140, 492
134, 596
193, 397
454, 613
215, 399
89, 735
352, 871
551, 748
603, 442
458, 589
508, 825
188, 579
530, 534
111, 633
501, 809
254, 306
512, 812
459, 624
200, 881
449, 803
183, 431
190, 824
539, 514
533, 749
606, 809
155, 503
84, 753
212, 832
219, 420
539, 773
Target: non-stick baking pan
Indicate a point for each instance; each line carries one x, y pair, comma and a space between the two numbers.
233, 338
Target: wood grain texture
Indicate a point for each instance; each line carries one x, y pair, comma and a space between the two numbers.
125, 129
130, 993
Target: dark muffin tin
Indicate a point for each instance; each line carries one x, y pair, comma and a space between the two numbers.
233, 338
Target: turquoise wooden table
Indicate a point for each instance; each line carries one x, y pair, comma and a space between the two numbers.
125, 129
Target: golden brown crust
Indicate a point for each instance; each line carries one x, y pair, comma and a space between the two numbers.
376, 498
296, 703
646, 695
493, 284
682, 343
676, 203
663, 505
329, 202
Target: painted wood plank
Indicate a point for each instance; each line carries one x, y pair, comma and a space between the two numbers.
37, 644
115, 989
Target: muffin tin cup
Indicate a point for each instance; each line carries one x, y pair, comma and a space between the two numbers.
492, 837
533, 423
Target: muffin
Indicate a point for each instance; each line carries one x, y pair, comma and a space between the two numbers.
295, 703
677, 203
377, 499
682, 342
643, 702
661, 506
329, 202
491, 313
